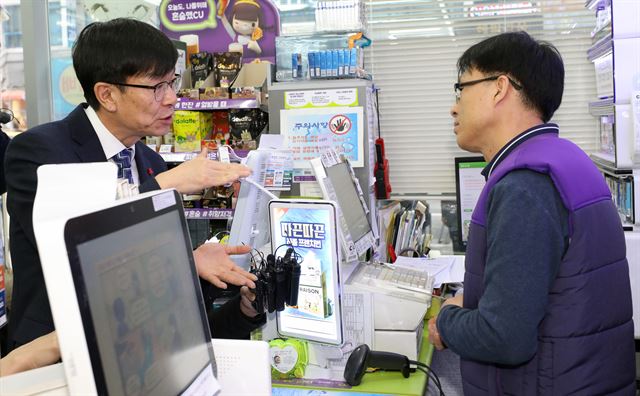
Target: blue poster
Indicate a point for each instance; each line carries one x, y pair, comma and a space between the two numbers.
65, 87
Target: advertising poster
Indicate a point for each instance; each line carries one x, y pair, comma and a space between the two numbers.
310, 132
309, 232
247, 26
65, 87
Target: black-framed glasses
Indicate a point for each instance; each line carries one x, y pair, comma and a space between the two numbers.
159, 90
458, 87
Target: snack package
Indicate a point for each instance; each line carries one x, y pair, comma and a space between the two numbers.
201, 66
214, 93
227, 67
192, 94
245, 125
245, 93
189, 127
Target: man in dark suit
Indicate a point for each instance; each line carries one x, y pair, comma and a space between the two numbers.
126, 69
4, 142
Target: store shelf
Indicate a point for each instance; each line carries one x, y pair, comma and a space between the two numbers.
208, 214
216, 104
182, 157
600, 48
602, 107
604, 160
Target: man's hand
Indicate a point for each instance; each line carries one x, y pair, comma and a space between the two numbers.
200, 173
456, 300
434, 335
214, 265
40, 352
246, 298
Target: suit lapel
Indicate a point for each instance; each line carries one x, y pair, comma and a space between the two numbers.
87, 144
145, 170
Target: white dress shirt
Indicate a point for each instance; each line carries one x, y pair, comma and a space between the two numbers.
110, 144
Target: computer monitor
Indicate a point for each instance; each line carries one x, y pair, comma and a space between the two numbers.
339, 183
140, 301
469, 185
250, 225
309, 226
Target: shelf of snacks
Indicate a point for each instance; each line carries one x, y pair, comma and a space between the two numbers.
182, 157
208, 214
216, 104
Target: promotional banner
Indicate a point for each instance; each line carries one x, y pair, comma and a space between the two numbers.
65, 87
247, 26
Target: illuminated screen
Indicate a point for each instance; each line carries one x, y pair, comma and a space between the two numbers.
469, 185
311, 230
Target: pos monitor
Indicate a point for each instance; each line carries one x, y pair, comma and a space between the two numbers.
143, 316
338, 183
469, 185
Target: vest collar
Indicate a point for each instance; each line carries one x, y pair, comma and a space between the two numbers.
513, 143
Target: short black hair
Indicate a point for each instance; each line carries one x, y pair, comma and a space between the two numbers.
120, 48
536, 65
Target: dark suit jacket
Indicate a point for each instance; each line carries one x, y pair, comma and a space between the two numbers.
4, 142
71, 140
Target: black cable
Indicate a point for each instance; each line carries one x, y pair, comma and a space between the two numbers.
410, 250
431, 379
430, 373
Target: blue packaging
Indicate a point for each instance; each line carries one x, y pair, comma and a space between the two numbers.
294, 65
316, 60
353, 61
324, 64
334, 63
341, 62
312, 64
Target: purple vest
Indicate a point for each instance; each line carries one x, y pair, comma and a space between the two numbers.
585, 340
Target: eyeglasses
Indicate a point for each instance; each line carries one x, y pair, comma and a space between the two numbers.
159, 90
457, 87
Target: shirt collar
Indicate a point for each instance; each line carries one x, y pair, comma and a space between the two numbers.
513, 143
110, 144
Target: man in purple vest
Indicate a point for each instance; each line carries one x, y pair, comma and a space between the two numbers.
546, 308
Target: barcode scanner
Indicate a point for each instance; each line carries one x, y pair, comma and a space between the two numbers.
362, 358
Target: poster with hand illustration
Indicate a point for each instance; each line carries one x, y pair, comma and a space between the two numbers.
246, 26
310, 132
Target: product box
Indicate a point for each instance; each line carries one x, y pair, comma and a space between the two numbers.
311, 301
191, 93
207, 93
181, 62
189, 127
253, 80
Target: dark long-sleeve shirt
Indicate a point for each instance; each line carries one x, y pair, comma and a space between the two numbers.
527, 235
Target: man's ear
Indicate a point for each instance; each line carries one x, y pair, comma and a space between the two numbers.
502, 85
106, 95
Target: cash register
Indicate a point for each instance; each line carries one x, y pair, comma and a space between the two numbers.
401, 295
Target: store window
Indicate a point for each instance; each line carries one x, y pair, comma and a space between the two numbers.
413, 61
12, 27
66, 19
12, 95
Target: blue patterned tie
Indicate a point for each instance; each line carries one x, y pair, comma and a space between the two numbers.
123, 160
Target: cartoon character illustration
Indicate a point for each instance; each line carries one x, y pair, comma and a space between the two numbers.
246, 24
